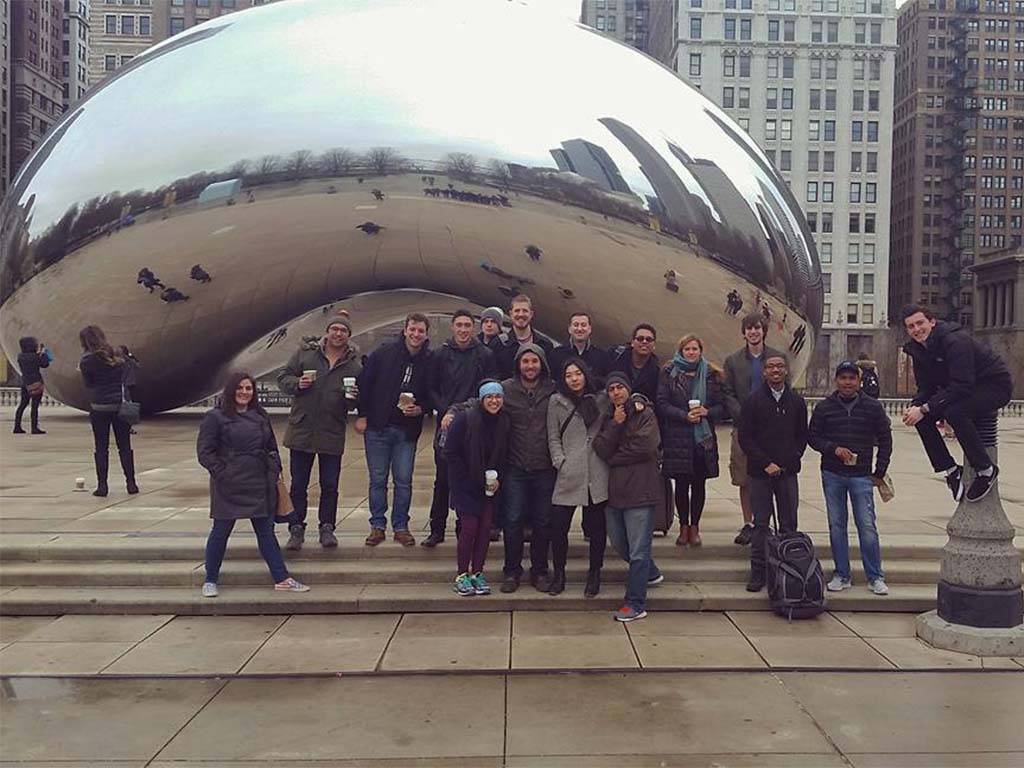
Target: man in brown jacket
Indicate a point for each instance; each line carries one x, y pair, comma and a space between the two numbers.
628, 442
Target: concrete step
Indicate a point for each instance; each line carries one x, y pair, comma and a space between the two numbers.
102, 547
421, 598
688, 567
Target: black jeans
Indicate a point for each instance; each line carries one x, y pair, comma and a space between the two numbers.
595, 527
26, 398
986, 397
439, 504
300, 464
781, 493
691, 492
527, 494
102, 422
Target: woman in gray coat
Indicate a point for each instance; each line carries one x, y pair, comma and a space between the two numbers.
237, 446
582, 476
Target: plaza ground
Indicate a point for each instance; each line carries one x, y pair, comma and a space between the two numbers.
382, 665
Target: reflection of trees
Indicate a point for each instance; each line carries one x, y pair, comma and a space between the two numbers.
267, 164
299, 163
500, 173
459, 165
385, 160
338, 161
237, 170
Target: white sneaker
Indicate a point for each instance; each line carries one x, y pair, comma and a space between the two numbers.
838, 584
879, 587
210, 589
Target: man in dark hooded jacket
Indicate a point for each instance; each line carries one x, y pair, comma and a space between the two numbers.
457, 368
958, 380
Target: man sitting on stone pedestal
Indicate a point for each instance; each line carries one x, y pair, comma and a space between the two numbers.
958, 380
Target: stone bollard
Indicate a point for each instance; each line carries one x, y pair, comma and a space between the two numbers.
980, 602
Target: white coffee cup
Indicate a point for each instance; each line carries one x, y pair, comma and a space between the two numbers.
852, 461
310, 374
348, 383
406, 399
491, 480
694, 404
79, 483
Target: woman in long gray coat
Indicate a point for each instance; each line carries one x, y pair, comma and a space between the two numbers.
237, 446
582, 479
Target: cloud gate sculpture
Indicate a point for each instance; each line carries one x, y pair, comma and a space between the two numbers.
246, 173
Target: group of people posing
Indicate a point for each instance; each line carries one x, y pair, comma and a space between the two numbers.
526, 433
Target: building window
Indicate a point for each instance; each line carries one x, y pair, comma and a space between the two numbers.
695, 29
730, 28
109, 63
789, 31
729, 66
830, 100
830, 130
853, 283
695, 65
773, 30
826, 191
812, 160
787, 98
773, 67
858, 101
868, 310
814, 130
746, 26
771, 98
785, 159
872, 131
728, 97
144, 25
744, 98
869, 227
876, 33
860, 30
177, 25
855, 192
812, 191
826, 281
869, 286
853, 253
872, 166
854, 223
786, 132
744, 65
127, 25
871, 192
126, 58
787, 67
815, 98
825, 253
851, 313
832, 31
873, 101
770, 129
816, 33
857, 131
110, 24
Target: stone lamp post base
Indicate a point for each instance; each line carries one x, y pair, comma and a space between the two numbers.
980, 641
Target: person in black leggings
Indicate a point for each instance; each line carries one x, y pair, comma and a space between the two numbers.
689, 405
31, 359
104, 372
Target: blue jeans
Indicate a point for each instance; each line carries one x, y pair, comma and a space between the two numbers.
861, 493
388, 450
300, 464
630, 531
527, 495
217, 544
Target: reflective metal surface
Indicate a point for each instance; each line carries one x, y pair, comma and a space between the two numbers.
303, 152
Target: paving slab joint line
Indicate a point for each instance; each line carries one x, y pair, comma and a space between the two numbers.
767, 664
187, 722
377, 668
818, 726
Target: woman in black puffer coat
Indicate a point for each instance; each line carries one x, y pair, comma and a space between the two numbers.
689, 443
31, 358
104, 371
237, 447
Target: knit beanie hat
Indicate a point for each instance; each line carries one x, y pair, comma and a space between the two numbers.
615, 377
491, 388
493, 313
340, 319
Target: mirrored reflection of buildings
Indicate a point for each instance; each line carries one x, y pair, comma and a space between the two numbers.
122, 29
812, 83
75, 51
5, 96
643, 24
959, 180
998, 306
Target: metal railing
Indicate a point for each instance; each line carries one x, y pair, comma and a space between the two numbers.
894, 406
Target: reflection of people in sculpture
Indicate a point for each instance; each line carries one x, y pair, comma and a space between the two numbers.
378, 194
534, 252
370, 228
959, 379
671, 281
170, 295
733, 302
250, 197
199, 274
276, 336
148, 279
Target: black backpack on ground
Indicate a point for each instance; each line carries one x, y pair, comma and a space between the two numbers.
796, 583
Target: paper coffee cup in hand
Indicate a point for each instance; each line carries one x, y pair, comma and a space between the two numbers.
406, 399
694, 404
490, 480
310, 374
852, 461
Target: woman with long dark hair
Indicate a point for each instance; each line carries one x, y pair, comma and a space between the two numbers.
104, 371
237, 446
31, 359
690, 403
475, 450
582, 480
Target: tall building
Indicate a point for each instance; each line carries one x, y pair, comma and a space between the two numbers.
5, 97
75, 51
122, 29
639, 23
958, 184
812, 82
36, 83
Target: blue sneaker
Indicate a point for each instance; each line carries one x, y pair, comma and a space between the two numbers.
628, 613
480, 585
464, 585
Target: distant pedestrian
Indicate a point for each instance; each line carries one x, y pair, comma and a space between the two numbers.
236, 445
199, 274
104, 372
31, 359
869, 381
474, 451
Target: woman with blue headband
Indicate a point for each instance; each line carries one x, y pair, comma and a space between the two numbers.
475, 449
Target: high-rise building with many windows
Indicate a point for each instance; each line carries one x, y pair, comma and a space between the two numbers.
75, 50
5, 96
958, 179
643, 24
122, 29
812, 82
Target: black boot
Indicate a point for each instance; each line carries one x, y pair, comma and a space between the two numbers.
593, 583
128, 465
557, 582
102, 466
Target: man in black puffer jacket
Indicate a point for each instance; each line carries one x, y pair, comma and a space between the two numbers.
456, 370
958, 380
844, 429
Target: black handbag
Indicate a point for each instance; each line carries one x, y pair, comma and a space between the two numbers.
128, 411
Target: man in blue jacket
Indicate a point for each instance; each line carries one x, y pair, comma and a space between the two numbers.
958, 380
844, 429
393, 398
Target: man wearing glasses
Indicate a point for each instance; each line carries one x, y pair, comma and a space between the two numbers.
639, 363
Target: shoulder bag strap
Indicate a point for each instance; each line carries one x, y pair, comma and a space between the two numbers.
565, 424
